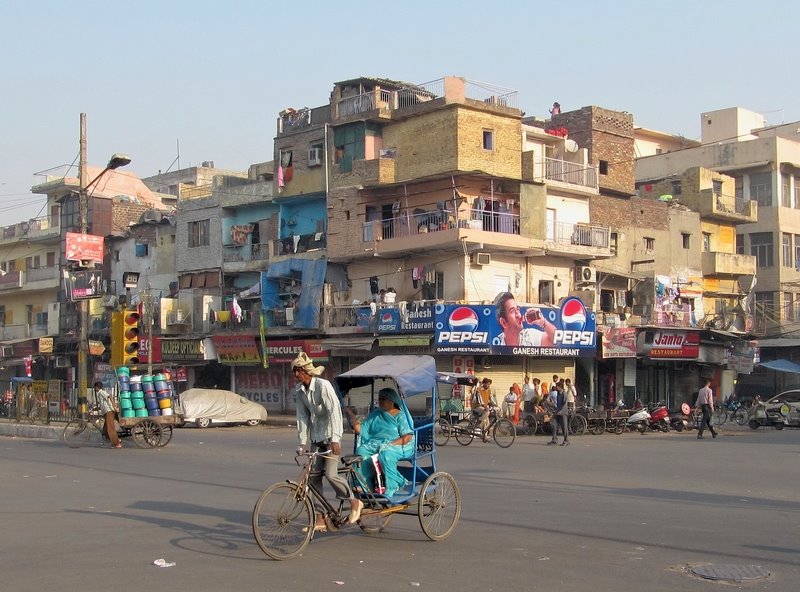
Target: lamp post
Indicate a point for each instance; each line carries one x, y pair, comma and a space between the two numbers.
116, 161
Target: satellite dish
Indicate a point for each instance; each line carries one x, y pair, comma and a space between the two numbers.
570, 145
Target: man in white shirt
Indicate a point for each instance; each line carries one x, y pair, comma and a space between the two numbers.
705, 402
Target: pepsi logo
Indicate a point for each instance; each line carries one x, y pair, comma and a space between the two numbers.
386, 317
573, 314
463, 319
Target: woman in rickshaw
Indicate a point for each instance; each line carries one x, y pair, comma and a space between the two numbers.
387, 432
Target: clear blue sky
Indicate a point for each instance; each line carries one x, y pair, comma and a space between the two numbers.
212, 76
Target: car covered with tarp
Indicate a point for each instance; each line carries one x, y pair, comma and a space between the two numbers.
204, 407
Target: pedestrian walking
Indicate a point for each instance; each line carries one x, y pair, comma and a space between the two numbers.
705, 402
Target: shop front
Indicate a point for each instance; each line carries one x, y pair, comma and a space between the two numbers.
194, 362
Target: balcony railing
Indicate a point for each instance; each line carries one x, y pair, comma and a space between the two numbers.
243, 253
364, 103
299, 243
562, 171
38, 274
421, 223
583, 235
22, 331
730, 204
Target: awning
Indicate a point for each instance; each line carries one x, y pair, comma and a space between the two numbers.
359, 343
781, 366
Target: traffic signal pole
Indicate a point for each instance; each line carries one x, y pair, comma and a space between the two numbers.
83, 304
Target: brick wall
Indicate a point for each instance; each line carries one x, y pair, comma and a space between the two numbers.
608, 136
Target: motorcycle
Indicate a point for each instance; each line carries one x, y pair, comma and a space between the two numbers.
656, 420
681, 419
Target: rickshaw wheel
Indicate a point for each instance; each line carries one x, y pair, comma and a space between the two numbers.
504, 433
441, 432
373, 523
76, 433
465, 432
599, 426
147, 433
283, 521
439, 506
166, 435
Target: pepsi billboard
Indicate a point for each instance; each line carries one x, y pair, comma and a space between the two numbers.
568, 330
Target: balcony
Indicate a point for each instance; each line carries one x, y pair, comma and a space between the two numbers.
41, 229
440, 229
298, 244
42, 278
727, 264
559, 172
583, 239
385, 104
245, 257
727, 208
8, 332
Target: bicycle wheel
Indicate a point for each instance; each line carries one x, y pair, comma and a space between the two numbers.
740, 417
373, 523
439, 506
577, 425
441, 432
76, 433
719, 417
599, 426
465, 432
283, 521
504, 433
530, 425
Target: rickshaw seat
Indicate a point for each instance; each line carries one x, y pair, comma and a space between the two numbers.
351, 459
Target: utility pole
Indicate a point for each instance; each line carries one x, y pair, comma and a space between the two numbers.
83, 305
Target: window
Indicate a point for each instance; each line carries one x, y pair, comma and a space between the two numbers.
676, 188
797, 252
788, 306
51, 259
740, 244
141, 250
738, 183
786, 193
603, 167
198, 233
116, 254
41, 319
717, 186
649, 244
706, 242
614, 239
764, 304
761, 188
685, 236
761, 248
2, 314
349, 145
488, 140
796, 192
786, 250
546, 292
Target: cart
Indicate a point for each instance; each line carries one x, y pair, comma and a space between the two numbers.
149, 432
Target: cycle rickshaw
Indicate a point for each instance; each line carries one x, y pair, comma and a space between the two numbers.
283, 517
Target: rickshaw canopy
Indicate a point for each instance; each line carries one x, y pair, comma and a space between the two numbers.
414, 375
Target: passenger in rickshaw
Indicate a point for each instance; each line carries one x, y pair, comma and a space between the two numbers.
388, 432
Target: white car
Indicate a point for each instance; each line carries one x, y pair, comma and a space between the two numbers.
787, 404
205, 407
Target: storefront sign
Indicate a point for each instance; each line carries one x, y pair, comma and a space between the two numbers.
264, 386
236, 349
405, 318
105, 374
83, 285
45, 345
183, 349
284, 352
144, 342
669, 344
83, 247
619, 342
539, 331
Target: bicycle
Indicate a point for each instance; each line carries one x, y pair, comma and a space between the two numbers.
502, 430
733, 411
284, 514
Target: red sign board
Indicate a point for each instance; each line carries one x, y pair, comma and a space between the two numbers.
83, 247
286, 351
236, 349
671, 344
619, 342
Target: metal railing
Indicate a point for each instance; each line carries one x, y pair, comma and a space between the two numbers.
584, 235
439, 220
420, 93
553, 169
239, 253
492, 94
300, 243
23, 330
363, 103
731, 204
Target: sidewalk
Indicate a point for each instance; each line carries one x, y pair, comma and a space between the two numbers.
53, 430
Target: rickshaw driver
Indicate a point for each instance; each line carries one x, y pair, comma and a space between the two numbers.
319, 419
483, 400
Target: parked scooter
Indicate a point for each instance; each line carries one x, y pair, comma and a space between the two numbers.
659, 419
639, 420
759, 416
656, 420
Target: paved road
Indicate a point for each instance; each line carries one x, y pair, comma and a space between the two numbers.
609, 512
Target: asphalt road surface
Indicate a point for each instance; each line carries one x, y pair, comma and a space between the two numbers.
629, 512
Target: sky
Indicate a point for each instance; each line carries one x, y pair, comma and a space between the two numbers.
176, 83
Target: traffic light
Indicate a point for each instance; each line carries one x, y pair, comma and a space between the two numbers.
125, 338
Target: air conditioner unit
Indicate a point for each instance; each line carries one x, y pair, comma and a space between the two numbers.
585, 275
314, 156
482, 258
6, 351
62, 362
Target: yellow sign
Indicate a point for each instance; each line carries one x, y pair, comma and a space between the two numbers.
45, 345
96, 348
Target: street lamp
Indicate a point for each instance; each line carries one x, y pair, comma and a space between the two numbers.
116, 161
